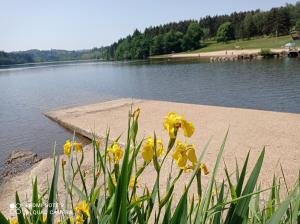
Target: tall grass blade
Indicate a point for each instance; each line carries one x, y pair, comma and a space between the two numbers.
180, 213
167, 216
119, 212
282, 209
242, 207
205, 204
20, 215
218, 215
238, 189
35, 202
53, 191
3, 220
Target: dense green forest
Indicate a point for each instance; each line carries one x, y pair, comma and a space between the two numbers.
177, 36
36, 56
189, 35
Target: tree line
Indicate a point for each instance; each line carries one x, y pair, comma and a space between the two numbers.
189, 35
36, 56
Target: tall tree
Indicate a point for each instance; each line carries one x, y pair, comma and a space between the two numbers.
158, 46
297, 26
249, 26
193, 36
173, 41
278, 22
225, 32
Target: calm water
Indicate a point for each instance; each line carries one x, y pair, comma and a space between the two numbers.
25, 93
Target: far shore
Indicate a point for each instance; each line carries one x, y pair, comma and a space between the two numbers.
46, 63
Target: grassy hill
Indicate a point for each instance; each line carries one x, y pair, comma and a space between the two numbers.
262, 42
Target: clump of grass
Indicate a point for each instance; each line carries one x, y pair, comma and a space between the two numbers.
113, 196
266, 53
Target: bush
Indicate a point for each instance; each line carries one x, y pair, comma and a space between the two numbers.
116, 173
266, 53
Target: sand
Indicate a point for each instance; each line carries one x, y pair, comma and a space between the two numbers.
223, 53
248, 130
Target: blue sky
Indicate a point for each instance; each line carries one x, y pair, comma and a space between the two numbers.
78, 24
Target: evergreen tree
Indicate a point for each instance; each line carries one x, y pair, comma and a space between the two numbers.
158, 46
249, 26
297, 27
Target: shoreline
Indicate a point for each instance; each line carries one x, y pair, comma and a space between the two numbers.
49, 63
222, 53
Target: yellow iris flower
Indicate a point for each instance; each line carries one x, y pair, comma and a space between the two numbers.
44, 218
148, 149
188, 128
78, 146
173, 122
184, 153
115, 152
83, 208
132, 182
14, 221
67, 148
79, 219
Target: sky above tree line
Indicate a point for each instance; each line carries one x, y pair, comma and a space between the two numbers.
77, 24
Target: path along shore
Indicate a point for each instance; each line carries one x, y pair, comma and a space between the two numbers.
248, 130
223, 53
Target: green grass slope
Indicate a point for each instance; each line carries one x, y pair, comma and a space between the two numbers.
263, 42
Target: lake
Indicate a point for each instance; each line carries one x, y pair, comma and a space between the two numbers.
27, 92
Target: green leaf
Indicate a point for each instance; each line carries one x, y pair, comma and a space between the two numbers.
119, 211
241, 210
205, 203
20, 215
167, 196
238, 189
218, 215
53, 192
3, 220
296, 210
137, 210
82, 178
180, 213
240, 184
231, 187
167, 216
271, 202
35, 202
151, 200
79, 193
282, 209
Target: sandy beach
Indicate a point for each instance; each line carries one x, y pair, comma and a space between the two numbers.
224, 53
248, 130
